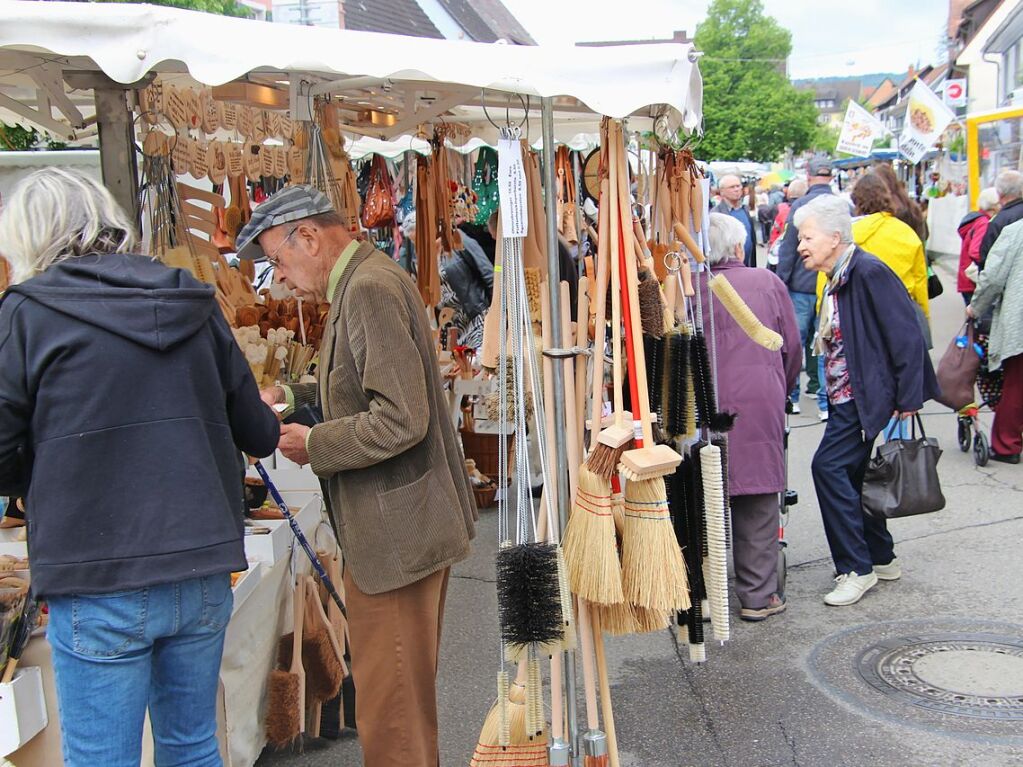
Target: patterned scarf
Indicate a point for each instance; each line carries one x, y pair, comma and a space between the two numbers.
824, 330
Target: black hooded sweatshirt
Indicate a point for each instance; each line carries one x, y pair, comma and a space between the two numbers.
125, 404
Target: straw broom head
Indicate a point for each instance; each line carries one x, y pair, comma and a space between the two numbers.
519, 748
591, 551
653, 571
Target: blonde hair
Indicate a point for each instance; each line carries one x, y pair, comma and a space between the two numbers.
56, 214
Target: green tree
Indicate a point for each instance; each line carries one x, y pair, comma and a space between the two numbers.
221, 7
825, 138
751, 110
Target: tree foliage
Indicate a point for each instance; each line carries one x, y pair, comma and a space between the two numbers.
221, 7
751, 110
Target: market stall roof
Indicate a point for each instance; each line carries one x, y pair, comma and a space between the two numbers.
127, 41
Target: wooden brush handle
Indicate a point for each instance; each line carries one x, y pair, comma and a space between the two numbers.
571, 433
557, 698
632, 285
553, 533
696, 201
589, 675
605, 691
687, 278
600, 320
684, 210
687, 239
614, 225
582, 336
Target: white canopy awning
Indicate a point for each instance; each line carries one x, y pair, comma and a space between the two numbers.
127, 41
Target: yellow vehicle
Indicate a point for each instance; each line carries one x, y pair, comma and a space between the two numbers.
994, 142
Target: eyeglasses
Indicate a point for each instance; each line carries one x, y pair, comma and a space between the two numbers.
272, 259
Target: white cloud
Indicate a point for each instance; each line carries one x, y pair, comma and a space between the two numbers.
830, 37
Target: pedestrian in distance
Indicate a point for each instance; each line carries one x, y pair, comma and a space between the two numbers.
802, 283
753, 383
398, 494
1000, 287
972, 229
876, 366
125, 407
732, 204
1009, 186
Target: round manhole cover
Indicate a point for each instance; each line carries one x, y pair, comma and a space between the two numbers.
976, 675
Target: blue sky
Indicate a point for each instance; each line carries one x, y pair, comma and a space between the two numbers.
830, 37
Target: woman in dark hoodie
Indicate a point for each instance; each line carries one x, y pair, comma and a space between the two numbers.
125, 407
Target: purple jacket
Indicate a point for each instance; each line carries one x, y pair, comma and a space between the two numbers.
889, 367
753, 382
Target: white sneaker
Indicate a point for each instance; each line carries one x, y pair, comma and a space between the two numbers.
822, 414
889, 572
850, 589
795, 408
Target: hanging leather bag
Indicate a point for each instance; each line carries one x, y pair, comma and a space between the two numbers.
902, 478
378, 207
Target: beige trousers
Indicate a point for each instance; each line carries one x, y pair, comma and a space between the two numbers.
395, 641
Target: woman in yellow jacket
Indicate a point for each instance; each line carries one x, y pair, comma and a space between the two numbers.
877, 231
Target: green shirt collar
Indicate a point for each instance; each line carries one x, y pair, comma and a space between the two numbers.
339, 268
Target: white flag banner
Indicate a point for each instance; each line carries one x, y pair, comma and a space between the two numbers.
859, 131
926, 119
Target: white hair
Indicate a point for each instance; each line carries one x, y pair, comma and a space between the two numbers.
831, 215
987, 199
797, 189
56, 214
724, 234
1009, 184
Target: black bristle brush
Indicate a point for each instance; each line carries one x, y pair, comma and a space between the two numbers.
654, 349
529, 597
685, 503
678, 386
708, 414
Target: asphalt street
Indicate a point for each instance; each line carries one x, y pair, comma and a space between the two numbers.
795, 690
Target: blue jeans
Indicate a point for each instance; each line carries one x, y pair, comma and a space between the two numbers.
822, 392
805, 305
857, 540
117, 655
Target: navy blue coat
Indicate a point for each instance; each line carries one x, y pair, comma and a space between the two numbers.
790, 266
889, 367
125, 405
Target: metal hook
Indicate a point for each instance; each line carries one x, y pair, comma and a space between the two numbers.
507, 114
673, 257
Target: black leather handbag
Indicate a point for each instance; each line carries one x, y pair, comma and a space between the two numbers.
902, 478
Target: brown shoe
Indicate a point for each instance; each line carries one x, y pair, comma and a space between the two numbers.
774, 606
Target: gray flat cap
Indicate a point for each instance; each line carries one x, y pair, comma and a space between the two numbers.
292, 203
819, 166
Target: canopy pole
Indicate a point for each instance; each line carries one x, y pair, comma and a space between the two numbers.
117, 158
558, 384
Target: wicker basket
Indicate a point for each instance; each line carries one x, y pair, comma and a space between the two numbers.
485, 449
485, 496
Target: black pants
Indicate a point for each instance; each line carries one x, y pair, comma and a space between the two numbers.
857, 541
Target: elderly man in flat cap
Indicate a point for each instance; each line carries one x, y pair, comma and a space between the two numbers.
398, 493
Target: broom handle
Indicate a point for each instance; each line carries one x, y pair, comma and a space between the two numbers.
552, 528
687, 239
615, 256
582, 337
600, 320
637, 358
572, 434
605, 691
586, 647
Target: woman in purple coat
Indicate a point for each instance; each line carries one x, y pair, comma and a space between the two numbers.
752, 383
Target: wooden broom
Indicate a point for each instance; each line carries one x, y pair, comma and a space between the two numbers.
653, 571
285, 708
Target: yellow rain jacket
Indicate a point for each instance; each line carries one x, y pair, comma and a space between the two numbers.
898, 246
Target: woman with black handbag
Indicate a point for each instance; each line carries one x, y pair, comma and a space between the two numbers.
876, 365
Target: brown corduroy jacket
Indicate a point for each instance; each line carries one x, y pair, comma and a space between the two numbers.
388, 453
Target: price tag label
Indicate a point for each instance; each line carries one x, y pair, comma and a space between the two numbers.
511, 185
